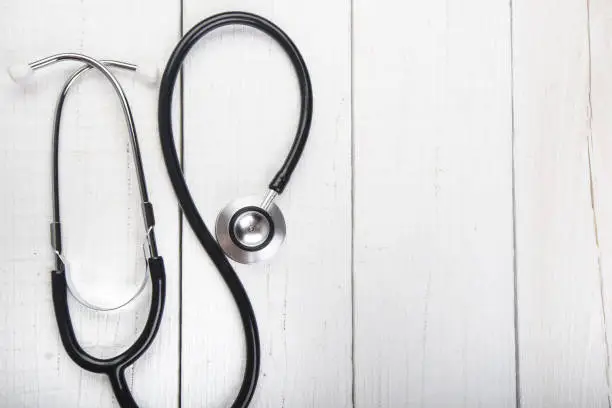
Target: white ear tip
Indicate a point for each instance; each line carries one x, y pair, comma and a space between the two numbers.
21, 73
148, 74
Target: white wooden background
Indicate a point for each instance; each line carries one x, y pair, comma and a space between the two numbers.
449, 228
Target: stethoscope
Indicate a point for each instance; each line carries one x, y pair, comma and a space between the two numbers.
61, 280
249, 229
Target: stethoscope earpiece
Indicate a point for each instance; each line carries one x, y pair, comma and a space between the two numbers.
148, 74
250, 230
21, 74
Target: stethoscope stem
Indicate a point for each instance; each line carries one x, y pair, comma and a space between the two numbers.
268, 200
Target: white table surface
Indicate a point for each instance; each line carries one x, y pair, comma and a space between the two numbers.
449, 226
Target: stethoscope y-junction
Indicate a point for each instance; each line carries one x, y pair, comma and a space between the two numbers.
113, 367
249, 229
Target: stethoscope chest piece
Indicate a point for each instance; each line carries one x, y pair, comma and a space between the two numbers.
250, 231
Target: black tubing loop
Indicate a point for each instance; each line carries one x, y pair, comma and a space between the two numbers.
280, 180
175, 173
114, 367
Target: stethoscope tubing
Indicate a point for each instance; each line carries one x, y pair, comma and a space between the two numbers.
278, 183
113, 367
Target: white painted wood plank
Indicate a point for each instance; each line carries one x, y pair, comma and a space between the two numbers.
99, 198
433, 204
600, 150
241, 109
561, 336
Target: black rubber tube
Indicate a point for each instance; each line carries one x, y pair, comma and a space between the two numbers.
278, 183
113, 367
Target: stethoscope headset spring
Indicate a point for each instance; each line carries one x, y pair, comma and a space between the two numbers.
249, 229
113, 367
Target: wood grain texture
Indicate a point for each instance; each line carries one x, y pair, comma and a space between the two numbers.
433, 204
600, 149
561, 333
241, 109
99, 197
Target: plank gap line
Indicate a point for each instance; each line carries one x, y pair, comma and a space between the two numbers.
517, 364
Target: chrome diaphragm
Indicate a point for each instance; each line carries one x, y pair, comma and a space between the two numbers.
247, 232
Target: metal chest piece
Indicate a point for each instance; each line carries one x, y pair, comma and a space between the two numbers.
250, 230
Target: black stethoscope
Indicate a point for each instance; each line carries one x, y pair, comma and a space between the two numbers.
61, 281
248, 230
